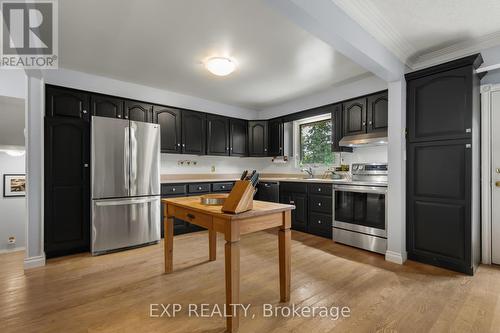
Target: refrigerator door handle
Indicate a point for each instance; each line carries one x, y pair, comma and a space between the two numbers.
120, 202
126, 160
133, 160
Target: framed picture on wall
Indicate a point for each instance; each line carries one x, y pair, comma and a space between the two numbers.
14, 185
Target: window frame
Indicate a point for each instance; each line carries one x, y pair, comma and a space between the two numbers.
298, 137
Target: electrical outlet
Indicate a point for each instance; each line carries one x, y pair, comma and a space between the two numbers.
12, 240
212, 168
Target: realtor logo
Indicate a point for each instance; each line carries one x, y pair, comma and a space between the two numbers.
29, 34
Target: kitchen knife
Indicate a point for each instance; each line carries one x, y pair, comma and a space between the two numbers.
255, 179
251, 175
244, 175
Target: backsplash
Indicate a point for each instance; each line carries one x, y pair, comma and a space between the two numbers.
235, 165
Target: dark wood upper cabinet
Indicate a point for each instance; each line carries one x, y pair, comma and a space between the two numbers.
257, 138
69, 103
355, 116
194, 129
218, 135
169, 120
439, 106
377, 112
106, 106
238, 137
138, 111
275, 137
67, 186
337, 127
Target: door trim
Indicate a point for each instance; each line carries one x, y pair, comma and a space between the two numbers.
486, 185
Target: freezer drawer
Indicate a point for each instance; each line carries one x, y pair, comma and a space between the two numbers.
126, 222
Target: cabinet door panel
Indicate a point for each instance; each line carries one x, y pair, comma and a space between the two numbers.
257, 138
239, 137
377, 114
275, 138
106, 106
169, 120
218, 135
439, 203
67, 187
194, 128
299, 215
355, 116
440, 106
68, 103
435, 219
138, 111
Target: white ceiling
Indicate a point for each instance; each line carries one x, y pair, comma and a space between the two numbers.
11, 121
163, 43
421, 32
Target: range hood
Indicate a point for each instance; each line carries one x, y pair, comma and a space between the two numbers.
364, 140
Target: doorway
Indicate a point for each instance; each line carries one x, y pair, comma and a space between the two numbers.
490, 107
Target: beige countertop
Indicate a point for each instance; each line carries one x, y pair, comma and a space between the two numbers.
299, 178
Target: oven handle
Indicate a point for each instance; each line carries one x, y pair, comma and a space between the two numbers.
361, 189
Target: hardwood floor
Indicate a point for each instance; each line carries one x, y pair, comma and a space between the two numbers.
113, 293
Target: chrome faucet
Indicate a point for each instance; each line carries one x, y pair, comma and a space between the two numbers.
309, 171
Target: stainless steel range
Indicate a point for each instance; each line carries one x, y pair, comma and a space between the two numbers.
359, 208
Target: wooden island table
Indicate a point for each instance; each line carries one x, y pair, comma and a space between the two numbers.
264, 215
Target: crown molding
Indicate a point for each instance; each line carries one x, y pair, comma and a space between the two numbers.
455, 51
373, 21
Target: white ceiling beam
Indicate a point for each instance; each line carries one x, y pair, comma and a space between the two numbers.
327, 21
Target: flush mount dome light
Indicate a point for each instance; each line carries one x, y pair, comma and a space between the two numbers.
220, 66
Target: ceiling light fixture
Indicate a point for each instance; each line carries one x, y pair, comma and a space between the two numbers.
220, 66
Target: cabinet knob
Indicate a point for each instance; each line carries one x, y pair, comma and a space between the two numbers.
199, 188
119, 116
223, 187
292, 202
319, 189
126, 117
86, 165
364, 123
265, 149
184, 145
319, 204
173, 190
231, 148
319, 222
369, 123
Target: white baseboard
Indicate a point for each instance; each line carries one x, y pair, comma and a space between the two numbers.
15, 249
396, 257
34, 262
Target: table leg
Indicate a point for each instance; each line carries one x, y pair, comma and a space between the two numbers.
232, 260
212, 244
168, 242
284, 244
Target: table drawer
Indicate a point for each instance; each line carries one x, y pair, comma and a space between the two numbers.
320, 204
200, 219
199, 188
322, 189
167, 189
222, 187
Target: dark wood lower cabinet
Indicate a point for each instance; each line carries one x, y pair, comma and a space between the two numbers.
67, 187
313, 206
190, 189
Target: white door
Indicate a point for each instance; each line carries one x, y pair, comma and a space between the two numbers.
495, 177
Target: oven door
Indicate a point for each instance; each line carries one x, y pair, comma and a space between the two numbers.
360, 208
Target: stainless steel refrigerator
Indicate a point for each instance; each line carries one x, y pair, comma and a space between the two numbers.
125, 175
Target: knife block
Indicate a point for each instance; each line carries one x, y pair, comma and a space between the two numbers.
240, 199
